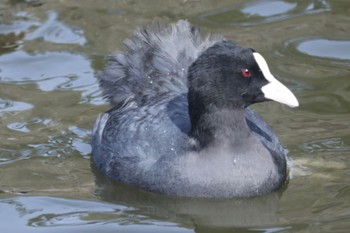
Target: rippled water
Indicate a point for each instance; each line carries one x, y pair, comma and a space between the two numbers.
49, 100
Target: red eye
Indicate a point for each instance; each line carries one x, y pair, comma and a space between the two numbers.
247, 73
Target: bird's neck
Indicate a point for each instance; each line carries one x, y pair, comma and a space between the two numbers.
220, 127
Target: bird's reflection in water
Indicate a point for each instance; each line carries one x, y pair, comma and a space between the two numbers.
205, 215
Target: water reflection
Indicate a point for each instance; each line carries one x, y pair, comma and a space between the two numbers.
52, 71
268, 8
32, 3
204, 213
81, 141
64, 144
23, 126
18, 26
325, 48
337, 50
325, 145
13, 106
67, 215
71, 70
261, 12
55, 31
10, 155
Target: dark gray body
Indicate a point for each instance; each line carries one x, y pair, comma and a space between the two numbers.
144, 139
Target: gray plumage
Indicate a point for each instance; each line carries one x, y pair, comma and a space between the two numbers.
155, 62
144, 140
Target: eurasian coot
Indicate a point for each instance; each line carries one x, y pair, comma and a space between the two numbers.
181, 123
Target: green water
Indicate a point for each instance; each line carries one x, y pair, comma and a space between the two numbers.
49, 100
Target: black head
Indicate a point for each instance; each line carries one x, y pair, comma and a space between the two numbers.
229, 76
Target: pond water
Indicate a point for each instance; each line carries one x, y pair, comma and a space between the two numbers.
49, 100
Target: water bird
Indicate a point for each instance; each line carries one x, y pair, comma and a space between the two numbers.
180, 122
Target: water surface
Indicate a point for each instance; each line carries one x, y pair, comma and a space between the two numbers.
49, 100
